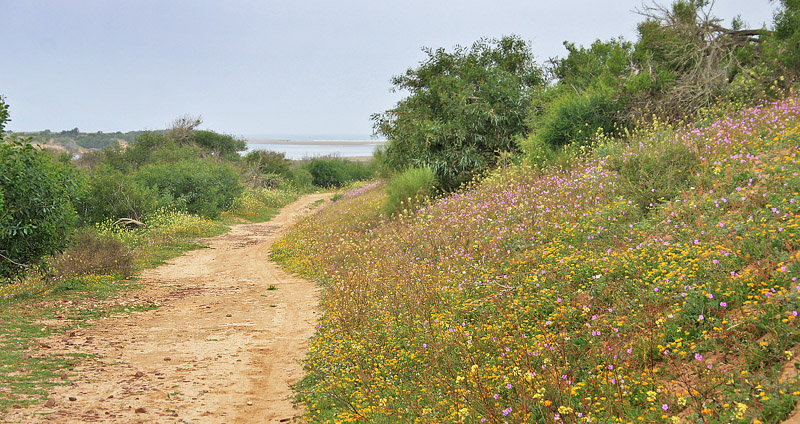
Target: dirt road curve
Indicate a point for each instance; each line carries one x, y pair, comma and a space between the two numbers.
223, 347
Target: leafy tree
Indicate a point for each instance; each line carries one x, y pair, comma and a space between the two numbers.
3, 116
684, 60
787, 31
603, 63
36, 210
220, 145
588, 96
268, 162
464, 107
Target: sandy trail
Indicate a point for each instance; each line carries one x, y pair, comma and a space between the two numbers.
222, 348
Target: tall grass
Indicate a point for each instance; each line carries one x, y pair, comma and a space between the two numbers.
563, 295
409, 189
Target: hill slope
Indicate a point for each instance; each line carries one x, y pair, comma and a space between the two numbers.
655, 282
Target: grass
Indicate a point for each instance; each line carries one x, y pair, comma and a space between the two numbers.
258, 205
56, 301
27, 370
570, 294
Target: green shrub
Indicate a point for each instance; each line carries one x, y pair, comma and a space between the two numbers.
300, 178
92, 253
651, 176
576, 118
256, 180
537, 152
138, 153
150, 147
327, 172
268, 162
260, 204
220, 145
335, 172
359, 171
409, 189
36, 204
111, 195
197, 186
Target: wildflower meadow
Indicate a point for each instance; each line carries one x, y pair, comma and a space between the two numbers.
654, 281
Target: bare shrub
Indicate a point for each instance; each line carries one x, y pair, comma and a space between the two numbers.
92, 253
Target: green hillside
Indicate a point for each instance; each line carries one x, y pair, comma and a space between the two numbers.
653, 281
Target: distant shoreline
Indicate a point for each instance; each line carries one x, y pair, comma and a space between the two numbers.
315, 142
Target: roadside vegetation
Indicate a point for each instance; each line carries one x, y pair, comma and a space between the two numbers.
611, 236
74, 234
570, 295
630, 254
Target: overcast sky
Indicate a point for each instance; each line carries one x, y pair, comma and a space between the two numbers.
263, 67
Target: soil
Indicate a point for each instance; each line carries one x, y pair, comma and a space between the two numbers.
224, 346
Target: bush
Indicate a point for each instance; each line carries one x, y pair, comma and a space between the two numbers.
335, 173
197, 186
92, 253
576, 118
112, 194
409, 189
36, 204
220, 145
268, 162
300, 178
255, 180
359, 171
651, 176
260, 204
327, 172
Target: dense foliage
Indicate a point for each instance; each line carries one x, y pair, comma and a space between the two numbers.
3, 116
408, 190
194, 174
196, 186
335, 172
220, 145
464, 107
36, 205
268, 162
684, 62
570, 294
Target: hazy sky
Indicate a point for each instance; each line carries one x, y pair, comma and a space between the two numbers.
263, 67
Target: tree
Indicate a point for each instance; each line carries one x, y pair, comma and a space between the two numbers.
182, 129
689, 56
684, 60
268, 162
587, 97
463, 110
220, 145
36, 209
783, 45
3, 116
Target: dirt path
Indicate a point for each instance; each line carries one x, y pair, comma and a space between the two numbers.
223, 347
